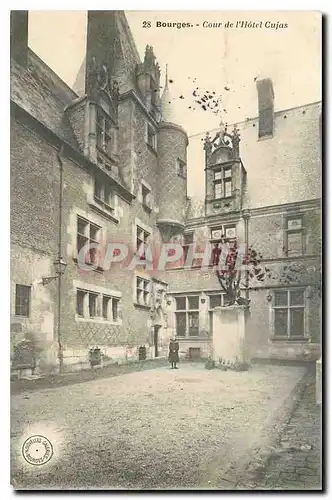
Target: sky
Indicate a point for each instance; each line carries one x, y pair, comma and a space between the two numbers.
208, 58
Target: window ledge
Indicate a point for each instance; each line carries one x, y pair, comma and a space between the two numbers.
113, 159
142, 306
288, 340
99, 269
98, 320
223, 198
195, 339
102, 211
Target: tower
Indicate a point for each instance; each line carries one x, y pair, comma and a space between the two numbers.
172, 170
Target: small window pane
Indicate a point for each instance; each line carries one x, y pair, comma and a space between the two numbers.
228, 188
80, 303
297, 323
215, 301
227, 173
180, 324
115, 304
280, 322
217, 175
217, 190
180, 302
193, 320
193, 302
280, 299
230, 232
294, 246
294, 224
94, 232
92, 305
216, 234
105, 307
297, 298
81, 225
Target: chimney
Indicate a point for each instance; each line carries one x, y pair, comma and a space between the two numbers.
19, 36
265, 107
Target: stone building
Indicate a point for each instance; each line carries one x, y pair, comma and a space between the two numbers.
101, 173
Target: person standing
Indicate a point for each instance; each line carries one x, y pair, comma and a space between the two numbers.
173, 356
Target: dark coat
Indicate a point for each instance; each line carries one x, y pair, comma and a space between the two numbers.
173, 355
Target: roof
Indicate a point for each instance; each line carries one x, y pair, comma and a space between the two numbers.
41, 93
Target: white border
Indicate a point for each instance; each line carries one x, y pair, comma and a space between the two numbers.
318, 5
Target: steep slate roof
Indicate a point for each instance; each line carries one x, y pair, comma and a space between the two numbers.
40, 92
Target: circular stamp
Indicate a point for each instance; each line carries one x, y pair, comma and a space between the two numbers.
37, 450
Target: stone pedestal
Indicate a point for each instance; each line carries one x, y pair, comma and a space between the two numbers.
229, 333
319, 381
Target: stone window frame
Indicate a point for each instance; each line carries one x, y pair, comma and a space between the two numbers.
143, 291
147, 230
22, 310
304, 306
287, 218
106, 198
151, 137
181, 168
187, 311
86, 294
145, 196
104, 125
221, 181
88, 238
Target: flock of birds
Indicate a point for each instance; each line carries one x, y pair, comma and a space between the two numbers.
206, 100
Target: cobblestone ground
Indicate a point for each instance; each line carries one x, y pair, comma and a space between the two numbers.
296, 464
161, 429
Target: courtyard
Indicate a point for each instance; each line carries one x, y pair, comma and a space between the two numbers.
157, 429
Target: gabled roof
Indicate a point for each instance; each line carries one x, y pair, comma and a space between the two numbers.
40, 92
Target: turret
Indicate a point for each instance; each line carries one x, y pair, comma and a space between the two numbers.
224, 172
172, 170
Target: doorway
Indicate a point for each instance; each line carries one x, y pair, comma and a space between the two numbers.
156, 340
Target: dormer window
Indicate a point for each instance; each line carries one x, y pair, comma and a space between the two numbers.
103, 131
223, 182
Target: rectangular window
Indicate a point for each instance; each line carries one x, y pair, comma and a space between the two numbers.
187, 316
289, 314
142, 237
87, 306
103, 192
110, 308
225, 233
88, 234
151, 137
143, 295
103, 131
22, 300
181, 168
294, 236
222, 181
